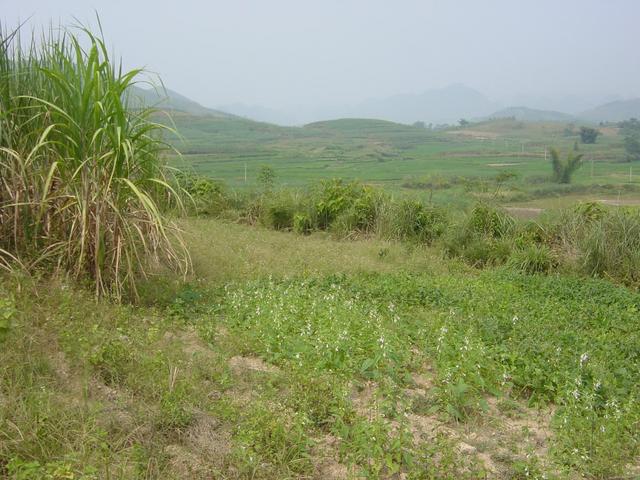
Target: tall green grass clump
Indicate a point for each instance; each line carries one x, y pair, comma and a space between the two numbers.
415, 221
82, 184
483, 238
611, 246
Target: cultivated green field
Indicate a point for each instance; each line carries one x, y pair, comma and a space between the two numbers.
395, 155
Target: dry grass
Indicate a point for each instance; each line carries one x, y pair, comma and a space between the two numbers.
244, 253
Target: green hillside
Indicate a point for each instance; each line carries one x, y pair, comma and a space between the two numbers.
401, 157
526, 114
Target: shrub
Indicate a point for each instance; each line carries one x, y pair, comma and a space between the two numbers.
361, 216
533, 259
278, 210
208, 197
489, 221
334, 197
533, 232
280, 217
588, 134
483, 238
302, 224
611, 246
82, 183
413, 220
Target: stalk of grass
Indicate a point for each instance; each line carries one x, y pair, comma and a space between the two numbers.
82, 183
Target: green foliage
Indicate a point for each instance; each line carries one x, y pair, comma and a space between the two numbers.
588, 135
562, 171
18, 469
82, 185
489, 221
334, 197
363, 343
208, 197
279, 211
610, 246
484, 252
273, 443
266, 178
112, 360
632, 146
175, 413
302, 224
7, 312
533, 259
415, 221
483, 238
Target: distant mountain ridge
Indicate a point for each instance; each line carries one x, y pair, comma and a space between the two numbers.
526, 114
613, 111
170, 100
439, 106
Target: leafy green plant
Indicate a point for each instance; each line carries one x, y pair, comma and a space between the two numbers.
302, 223
563, 170
175, 413
83, 185
207, 197
266, 178
7, 312
273, 441
490, 221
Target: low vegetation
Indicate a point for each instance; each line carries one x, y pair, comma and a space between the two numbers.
434, 370
335, 331
588, 238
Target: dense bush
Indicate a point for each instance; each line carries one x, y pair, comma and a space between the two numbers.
484, 237
486, 220
362, 213
415, 221
206, 196
334, 197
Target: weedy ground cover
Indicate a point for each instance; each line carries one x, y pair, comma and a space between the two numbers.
82, 184
380, 369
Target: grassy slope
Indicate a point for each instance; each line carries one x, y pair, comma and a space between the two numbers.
322, 359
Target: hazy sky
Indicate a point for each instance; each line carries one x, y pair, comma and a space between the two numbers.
283, 53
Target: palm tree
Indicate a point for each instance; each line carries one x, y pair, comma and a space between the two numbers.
562, 171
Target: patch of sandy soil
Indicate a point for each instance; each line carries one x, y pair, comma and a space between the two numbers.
239, 364
203, 449
364, 400
190, 343
326, 463
623, 202
506, 164
524, 212
494, 439
243, 393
